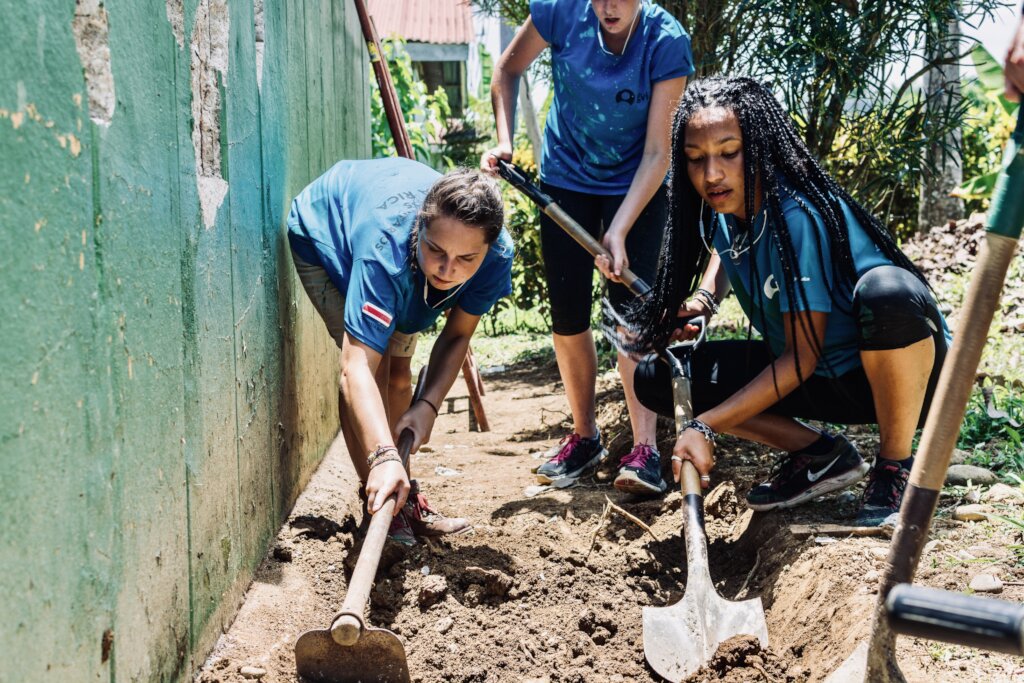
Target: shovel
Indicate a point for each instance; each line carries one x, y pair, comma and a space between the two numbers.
680, 638
352, 651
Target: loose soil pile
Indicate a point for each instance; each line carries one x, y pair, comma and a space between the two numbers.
546, 590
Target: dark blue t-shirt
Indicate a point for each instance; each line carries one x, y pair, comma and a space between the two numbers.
595, 130
756, 276
356, 220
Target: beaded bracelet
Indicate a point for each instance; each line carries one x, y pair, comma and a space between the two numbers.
707, 432
436, 412
380, 452
708, 299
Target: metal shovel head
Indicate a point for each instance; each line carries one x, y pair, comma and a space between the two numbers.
681, 638
377, 657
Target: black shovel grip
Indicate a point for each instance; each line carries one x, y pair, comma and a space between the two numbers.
935, 614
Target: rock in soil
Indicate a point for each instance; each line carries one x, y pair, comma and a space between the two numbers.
432, 591
972, 513
986, 583
721, 502
1001, 493
253, 672
497, 583
959, 475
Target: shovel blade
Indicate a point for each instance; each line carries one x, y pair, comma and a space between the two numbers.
377, 657
681, 638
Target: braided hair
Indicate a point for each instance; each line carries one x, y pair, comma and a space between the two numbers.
773, 154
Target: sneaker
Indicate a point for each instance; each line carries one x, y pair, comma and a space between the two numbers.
640, 472
883, 494
576, 457
425, 521
799, 478
400, 530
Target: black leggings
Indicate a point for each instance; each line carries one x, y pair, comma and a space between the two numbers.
569, 269
893, 310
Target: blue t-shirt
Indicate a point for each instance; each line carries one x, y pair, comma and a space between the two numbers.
356, 221
594, 137
756, 276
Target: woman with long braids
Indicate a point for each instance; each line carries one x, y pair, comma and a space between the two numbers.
618, 70
851, 333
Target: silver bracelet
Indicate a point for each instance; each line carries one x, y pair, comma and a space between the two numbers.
707, 432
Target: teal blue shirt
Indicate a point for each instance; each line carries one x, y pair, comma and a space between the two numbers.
356, 221
756, 276
595, 131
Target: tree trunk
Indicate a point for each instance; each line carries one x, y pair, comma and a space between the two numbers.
943, 168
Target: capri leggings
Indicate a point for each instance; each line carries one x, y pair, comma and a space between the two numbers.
893, 309
569, 269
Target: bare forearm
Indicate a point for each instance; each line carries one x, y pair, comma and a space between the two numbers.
715, 279
446, 360
504, 90
762, 392
649, 177
364, 406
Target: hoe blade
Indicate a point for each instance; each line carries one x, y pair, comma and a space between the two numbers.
681, 638
377, 657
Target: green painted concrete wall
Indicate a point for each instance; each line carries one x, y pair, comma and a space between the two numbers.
165, 388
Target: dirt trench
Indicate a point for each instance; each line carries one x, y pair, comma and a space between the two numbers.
541, 593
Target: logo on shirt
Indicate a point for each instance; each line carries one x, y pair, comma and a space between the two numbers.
377, 313
771, 287
629, 97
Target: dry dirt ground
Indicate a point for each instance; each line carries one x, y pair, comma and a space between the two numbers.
531, 596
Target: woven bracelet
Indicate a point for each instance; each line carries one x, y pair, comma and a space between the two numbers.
380, 452
386, 457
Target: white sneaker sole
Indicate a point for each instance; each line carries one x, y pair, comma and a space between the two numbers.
842, 481
576, 474
630, 482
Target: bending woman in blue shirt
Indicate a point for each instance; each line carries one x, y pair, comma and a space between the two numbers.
618, 68
382, 248
851, 333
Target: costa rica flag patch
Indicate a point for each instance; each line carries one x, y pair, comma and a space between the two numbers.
377, 313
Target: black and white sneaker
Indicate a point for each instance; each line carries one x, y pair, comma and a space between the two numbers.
884, 492
640, 472
799, 478
577, 456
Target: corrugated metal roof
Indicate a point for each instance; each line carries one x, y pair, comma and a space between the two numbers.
423, 21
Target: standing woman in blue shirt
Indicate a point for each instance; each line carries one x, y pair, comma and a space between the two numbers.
382, 248
850, 331
618, 68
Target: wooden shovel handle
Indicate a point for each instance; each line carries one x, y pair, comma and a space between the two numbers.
346, 628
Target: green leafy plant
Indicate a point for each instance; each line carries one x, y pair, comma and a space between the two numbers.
988, 123
426, 114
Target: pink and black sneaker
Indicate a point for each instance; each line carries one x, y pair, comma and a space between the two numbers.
577, 456
640, 472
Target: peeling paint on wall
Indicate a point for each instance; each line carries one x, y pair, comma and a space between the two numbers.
209, 67
258, 12
91, 29
176, 15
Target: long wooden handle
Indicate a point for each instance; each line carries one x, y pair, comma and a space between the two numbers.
349, 625
593, 247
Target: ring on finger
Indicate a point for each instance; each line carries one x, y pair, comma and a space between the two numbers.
676, 458
705, 477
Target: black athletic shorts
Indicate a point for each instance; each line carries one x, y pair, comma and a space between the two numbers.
568, 267
893, 309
